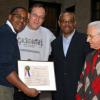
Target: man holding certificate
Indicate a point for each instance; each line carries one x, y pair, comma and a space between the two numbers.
34, 41
9, 55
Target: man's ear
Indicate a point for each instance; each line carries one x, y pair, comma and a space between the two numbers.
28, 15
75, 24
9, 17
59, 23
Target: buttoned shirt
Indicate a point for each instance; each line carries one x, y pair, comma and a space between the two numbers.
66, 42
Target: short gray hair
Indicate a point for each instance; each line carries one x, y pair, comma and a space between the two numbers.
95, 24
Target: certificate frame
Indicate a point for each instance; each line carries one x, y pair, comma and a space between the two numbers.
38, 75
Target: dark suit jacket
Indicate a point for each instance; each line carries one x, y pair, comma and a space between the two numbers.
68, 69
9, 53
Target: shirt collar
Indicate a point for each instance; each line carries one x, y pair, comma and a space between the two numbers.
10, 25
69, 36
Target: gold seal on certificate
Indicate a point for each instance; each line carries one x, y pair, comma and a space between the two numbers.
39, 75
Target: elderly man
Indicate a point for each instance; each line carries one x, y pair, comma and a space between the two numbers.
89, 84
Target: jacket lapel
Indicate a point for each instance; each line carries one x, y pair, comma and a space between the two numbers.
61, 47
73, 41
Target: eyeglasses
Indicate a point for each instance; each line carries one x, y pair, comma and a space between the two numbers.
36, 16
20, 17
67, 22
92, 36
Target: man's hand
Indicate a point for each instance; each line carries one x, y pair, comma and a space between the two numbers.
14, 79
31, 92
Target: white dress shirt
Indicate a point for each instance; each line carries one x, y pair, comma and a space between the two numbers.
66, 42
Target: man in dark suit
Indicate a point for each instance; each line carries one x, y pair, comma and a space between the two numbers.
9, 55
68, 53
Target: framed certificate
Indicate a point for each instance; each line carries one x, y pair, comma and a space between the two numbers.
39, 75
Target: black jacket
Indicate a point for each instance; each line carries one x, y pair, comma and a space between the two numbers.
68, 69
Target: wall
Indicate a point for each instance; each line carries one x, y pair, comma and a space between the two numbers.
83, 12
58, 1
83, 9
6, 5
